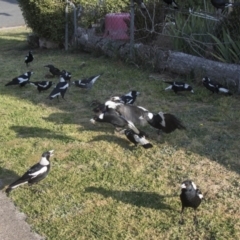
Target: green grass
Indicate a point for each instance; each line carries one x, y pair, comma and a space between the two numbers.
101, 186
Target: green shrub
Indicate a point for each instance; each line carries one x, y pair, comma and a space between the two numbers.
46, 18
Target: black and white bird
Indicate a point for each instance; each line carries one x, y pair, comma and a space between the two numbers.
59, 90
21, 80
214, 86
86, 83
42, 85
35, 174
137, 138
128, 98
222, 4
172, 3
53, 70
191, 197
178, 87
165, 122
113, 117
140, 4
66, 75
141, 116
29, 58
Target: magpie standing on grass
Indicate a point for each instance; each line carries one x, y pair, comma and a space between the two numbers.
42, 85
35, 174
172, 3
191, 197
66, 75
86, 83
128, 98
60, 89
139, 138
222, 4
214, 86
178, 87
53, 70
29, 58
21, 80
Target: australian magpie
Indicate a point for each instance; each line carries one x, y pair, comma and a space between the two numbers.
172, 3
214, 86
66, 75
60, 89
29, 58
86, 83
191, 197
222, 4
53, 70
113, 117
21, 80
137, 138
35, 174
166, 122
179, 86
98, 107
128, 98
42, 85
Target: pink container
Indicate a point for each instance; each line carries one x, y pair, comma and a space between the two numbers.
115, 26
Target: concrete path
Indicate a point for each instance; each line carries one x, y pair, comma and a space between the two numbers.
10, 14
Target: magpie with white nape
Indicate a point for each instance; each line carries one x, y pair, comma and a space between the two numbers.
191, 197
172, 3
66, 75
53, 70
29, 58
166, 122
35, 174
222, 4
128, 98
42, 85
178, 87
137, 139
86, 83
60, 89
214, 86
21, 80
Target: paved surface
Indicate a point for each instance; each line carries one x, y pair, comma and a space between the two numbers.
10, 14
12, 223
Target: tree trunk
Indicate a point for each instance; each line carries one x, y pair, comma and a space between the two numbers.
175, 62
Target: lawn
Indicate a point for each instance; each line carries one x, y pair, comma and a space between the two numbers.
101, 186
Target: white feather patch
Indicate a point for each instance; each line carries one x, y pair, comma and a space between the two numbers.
101, 116
44, 161
163, 123
194, 185
223, 90
183, 185
41, 171
92, 121
168, 88
200, 195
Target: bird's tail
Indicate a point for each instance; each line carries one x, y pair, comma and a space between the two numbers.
172, 123
148, 145
15, 185
9, 84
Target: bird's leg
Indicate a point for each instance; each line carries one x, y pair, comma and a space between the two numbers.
181, 221
195, 217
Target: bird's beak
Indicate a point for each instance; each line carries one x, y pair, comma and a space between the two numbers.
51, 152
92, 121
183, 186
192, 91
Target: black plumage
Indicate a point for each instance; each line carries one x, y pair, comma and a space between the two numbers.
42, 85
66, 75
222, 4
86, 83
29, 58
53, 70
179, 87
35, 174
98, 107
128, 98
21, 80
166, 122
191, 197
140, 4
214, 86
172, 3
137, 138
59, 90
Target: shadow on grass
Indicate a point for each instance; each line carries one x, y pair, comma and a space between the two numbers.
27, 132
139, 199
7, 177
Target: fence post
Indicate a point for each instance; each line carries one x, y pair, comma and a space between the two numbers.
132, 29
